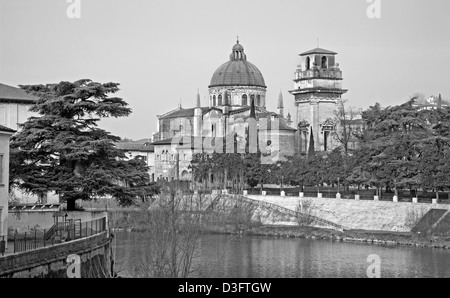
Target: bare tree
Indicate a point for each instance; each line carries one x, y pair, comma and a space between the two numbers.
307, 210
419, 97
346, 130
172, 227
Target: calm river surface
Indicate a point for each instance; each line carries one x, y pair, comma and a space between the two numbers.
259, 257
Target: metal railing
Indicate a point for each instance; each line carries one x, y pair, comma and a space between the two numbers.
403, 196
72, 230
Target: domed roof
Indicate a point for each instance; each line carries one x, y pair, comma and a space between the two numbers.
238, 71
238, 47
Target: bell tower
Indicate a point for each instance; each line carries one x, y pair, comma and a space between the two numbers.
318, 91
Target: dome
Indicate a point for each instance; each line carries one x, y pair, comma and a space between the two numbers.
238, 71
238, 47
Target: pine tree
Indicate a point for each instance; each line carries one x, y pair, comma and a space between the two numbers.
63, 150
311, 149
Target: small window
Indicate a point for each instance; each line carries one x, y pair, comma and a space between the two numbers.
214, 101
308, 63
324, 62
213, 130
220, 100
244, 100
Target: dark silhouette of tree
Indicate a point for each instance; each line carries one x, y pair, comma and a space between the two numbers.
311, 149
63, 149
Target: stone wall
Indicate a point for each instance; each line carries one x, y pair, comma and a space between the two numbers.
53, 261
352, 214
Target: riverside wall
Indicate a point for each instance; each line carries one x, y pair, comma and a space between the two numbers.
361, 214
84, 258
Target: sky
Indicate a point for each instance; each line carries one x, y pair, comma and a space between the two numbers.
163, 51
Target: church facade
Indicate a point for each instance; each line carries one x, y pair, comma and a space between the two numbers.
237, 99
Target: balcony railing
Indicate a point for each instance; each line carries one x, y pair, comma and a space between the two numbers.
319, 73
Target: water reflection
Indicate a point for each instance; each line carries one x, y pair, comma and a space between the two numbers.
229, 256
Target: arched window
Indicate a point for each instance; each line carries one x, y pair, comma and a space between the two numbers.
308, 63
184, 175
244, 100
258, 100
214, 101
252, 99
219, 100
324, 62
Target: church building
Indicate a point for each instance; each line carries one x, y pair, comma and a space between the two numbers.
237, 90
237, 94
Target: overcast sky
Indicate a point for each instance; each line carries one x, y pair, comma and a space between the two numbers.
162, 51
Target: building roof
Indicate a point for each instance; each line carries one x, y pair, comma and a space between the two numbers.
133, 146
183, 140
182, 113
142, 141
282, 126
318, 51
238, 71
13, 94
6, 129
163, 142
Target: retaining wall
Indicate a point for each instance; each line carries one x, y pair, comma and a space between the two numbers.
352, 214
52, 261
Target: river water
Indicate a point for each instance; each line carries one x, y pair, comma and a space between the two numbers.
265, 257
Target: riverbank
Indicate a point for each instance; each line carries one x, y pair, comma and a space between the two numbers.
134, 220
356, 236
